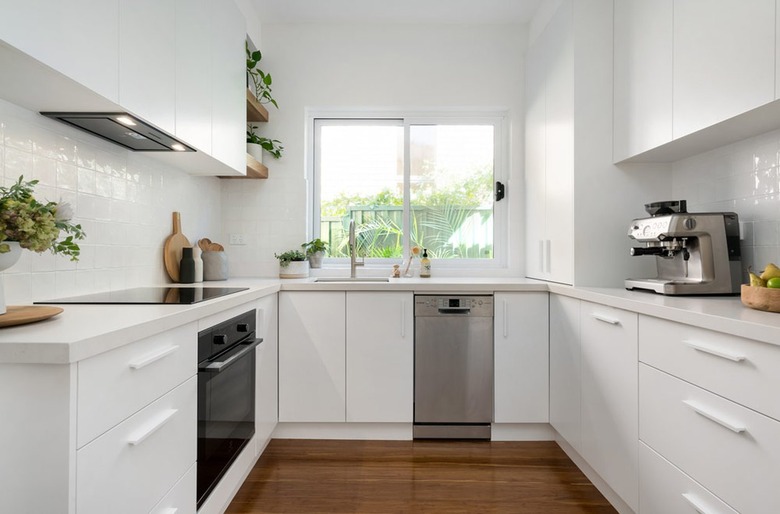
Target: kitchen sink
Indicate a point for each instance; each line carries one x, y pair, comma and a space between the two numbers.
348, 279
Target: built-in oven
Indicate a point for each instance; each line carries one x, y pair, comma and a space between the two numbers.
226, 397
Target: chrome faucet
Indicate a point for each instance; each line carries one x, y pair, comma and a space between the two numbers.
353, 263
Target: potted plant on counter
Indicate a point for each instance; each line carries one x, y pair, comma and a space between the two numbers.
293, 264
315, 251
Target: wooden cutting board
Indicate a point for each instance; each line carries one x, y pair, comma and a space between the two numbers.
172, 248
23, 314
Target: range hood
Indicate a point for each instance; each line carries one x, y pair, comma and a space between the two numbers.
123, 129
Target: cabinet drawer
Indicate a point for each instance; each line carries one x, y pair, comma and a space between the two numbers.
131, 467
729, 449
742, 370
180, 499
664, 489
116, 384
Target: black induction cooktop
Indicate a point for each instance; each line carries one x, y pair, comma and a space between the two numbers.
151, 296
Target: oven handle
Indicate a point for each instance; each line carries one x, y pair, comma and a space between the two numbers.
222, 365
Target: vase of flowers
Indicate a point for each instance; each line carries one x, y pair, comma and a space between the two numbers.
26, 223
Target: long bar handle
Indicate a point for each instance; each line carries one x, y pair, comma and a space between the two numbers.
547, 255
169, 510
506, 322
154, 357
735, 357
403, 319
541, 255
606, 319
703, 411
696, 504
155, 425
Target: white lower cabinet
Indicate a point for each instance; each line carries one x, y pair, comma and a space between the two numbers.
664, 489
267, 377
380, 357
180, 499
565, 371
729, 449
521, 358
312, 330
133, 465
609, 396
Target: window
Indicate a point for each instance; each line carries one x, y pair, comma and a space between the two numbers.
426, 182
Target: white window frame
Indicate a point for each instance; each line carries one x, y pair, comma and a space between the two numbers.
499, 121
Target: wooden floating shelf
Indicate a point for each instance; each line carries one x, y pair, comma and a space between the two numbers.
254, 109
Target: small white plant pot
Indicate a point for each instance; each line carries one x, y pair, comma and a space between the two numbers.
255, 151
294, 269
315, 260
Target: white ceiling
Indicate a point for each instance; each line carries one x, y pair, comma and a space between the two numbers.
396, 11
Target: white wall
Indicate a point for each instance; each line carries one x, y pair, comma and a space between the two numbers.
744, 178
330, 66
122, 199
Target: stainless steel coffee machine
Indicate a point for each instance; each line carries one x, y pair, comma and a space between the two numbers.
696, 253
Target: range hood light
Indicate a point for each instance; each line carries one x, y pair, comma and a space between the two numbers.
126, 120
115, 127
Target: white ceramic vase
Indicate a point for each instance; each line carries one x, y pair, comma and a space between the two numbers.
7, 260
294, 269
255, 151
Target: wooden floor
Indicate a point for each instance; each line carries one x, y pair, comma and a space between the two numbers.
305, 476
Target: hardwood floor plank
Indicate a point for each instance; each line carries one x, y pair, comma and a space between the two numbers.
316, 476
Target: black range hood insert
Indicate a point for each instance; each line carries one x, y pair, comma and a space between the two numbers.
123, 129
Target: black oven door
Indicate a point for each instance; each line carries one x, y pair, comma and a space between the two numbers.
226, 412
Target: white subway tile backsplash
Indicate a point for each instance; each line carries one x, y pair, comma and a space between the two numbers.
122, 199
745, 178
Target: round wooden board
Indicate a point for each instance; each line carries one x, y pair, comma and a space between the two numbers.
23, 314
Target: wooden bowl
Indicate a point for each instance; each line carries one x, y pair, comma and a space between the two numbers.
761, 298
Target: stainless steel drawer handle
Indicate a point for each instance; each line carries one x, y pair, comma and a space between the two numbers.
169, 510
145, 361
715, 351
703, 411
696, 504
606, 319
152, 427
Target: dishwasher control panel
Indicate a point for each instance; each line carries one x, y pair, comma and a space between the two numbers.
464, 305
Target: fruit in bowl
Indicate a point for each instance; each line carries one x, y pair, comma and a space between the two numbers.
763, 293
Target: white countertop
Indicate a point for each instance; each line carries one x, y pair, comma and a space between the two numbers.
85, 330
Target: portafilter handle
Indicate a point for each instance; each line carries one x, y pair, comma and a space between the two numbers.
652, 250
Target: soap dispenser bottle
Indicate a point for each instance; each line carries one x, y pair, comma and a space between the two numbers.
425, 265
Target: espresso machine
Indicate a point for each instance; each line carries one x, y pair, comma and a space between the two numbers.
696, 253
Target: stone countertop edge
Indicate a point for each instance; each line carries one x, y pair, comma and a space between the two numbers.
86, 330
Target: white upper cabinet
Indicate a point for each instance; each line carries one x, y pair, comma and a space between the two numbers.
643, 76
724, 60
78, 38
228, 83
193, 69
147, 60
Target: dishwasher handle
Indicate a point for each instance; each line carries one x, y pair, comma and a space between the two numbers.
454, 310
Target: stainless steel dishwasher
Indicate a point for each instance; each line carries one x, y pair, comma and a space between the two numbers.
453, 366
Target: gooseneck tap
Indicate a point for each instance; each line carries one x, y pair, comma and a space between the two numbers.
353, 263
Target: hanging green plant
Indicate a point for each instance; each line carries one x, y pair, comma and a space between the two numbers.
260, 80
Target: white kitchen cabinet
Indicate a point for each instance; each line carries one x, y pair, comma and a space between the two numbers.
550, 147
312, 331
521, 358
147, 60
724, 60
267, 377
77, 38
228, 85
730, 450
565, 374
380, 356
643, 76
609, 425
193, 69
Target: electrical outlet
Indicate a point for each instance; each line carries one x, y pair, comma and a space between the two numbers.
237, 239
